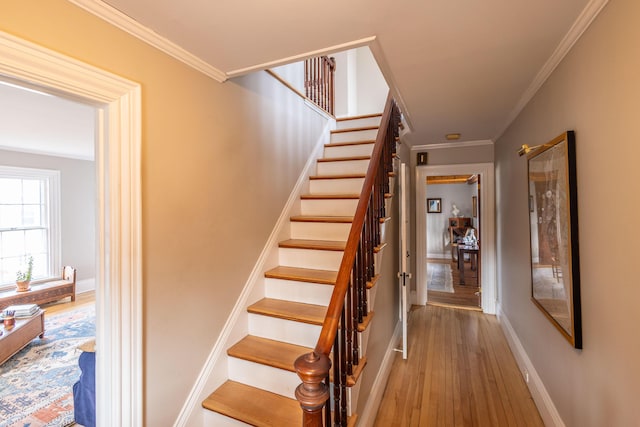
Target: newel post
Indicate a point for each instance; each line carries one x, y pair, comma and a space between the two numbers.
312, 394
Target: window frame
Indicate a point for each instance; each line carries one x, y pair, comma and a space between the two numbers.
53, 208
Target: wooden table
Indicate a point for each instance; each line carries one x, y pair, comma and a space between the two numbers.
25, 330
473, 258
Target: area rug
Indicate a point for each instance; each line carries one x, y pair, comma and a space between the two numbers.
439, 277
36, 383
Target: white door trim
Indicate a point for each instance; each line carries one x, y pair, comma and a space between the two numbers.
119, 288
487, 227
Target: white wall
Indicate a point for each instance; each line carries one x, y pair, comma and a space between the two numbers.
596, 92
372, 88
292, 74
438, 244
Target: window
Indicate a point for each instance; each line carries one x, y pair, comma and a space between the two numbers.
29, 222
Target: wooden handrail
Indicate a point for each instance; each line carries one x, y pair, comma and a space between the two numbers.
358, 257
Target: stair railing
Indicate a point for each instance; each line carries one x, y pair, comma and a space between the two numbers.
348, 307
319, 81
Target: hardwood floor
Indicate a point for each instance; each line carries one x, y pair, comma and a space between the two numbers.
459, 372
83, 299
466, 295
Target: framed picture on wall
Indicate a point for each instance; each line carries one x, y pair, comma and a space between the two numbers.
555, 264
474, 206
434, 205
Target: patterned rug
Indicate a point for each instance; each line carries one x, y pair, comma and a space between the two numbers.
439, 277
36, 383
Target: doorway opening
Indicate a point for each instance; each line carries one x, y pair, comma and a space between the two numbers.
448, 235
118, 216
453, 244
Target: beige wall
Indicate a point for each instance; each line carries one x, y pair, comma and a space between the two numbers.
596, 92
77, 208
216, 172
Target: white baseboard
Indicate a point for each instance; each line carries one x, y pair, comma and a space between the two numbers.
547, 409
85, 285
370, 410
210, 376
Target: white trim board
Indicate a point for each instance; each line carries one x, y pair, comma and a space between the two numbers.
119, 298
487, 227
215, 371
548, 411
119, 20
370, 410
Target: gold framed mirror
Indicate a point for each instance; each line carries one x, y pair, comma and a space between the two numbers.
553, 211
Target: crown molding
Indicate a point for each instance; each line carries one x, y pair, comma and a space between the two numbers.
584, 20
301, 57
118, 19
445, 145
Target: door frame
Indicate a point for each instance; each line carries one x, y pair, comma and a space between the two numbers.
119, 368
487, 228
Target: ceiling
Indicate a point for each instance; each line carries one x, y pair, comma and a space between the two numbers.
464, 66
35, 122
455, 66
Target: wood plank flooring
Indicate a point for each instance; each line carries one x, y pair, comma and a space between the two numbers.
459, 372
466, 295
64, 305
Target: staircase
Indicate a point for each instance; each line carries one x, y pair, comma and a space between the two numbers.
286, 323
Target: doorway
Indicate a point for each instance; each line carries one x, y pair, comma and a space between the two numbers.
119, 263
485, 268
453, 244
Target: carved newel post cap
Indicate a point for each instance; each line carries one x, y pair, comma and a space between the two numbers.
312, 369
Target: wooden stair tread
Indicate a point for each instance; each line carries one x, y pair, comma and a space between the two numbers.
324, 277
320, 218
374, 280
343, 159
363, 116
380, 247
329, 196
324, 245
354, 129
268, 352
288, 310
349, 143
254, 406
366, 320
345, 176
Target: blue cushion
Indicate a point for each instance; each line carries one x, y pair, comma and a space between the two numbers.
84, 391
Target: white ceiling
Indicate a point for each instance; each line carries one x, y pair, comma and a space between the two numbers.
464, 66
39, 123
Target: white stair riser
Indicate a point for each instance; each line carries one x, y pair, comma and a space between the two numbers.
358, 135
265, 377
331, 207
383, 231
344, 167
284, 330
336, 186
371, 297
352, 398
214, 419
310, 258
320, 230
291, 290
364, 342
358, 123
348, 150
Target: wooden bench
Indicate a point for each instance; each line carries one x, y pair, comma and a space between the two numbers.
43, 292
